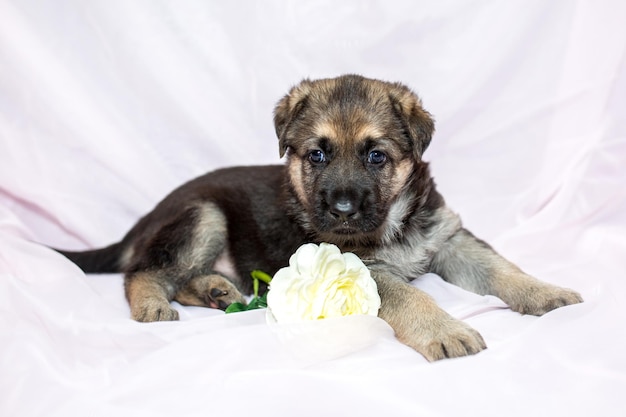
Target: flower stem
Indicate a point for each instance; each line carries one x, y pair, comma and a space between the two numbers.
255, 286
260, 275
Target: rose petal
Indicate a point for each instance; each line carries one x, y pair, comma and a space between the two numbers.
303, 260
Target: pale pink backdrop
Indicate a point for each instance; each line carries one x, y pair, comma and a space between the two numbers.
105, 106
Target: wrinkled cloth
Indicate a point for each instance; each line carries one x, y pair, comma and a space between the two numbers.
106, 106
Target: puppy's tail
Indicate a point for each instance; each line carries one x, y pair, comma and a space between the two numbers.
102, 260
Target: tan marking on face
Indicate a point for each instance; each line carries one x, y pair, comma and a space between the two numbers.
325, 130
348, 131
403, 171
367, 131
295, 173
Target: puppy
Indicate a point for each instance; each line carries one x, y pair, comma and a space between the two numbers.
354, 177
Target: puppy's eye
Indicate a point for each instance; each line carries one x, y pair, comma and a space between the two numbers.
317, 156
376, 158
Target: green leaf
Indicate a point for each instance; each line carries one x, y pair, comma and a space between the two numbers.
258, 302
255, 303
236, 307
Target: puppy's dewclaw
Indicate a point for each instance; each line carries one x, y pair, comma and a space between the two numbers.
354, 177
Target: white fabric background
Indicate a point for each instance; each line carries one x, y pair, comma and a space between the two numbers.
105, 106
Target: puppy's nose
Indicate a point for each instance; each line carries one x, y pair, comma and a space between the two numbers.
343, 208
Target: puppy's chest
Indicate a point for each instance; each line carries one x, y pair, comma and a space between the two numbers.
412, 255
410, 261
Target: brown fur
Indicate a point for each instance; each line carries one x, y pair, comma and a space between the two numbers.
354, 177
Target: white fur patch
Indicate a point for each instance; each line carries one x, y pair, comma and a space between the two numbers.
412, 255
209, 237
395, 218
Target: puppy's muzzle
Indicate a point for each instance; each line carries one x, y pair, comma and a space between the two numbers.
345, 205
343, 209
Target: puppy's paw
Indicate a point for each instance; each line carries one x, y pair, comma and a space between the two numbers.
448, 338
539, 298
420, 323
153, 309
213, 291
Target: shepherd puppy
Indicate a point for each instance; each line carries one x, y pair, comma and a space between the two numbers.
354, 177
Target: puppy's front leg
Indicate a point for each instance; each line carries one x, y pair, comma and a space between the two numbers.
419, 323
472, 264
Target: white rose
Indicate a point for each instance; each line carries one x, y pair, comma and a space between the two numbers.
321, 282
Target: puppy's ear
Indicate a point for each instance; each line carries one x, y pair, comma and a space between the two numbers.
287, 111
418, 123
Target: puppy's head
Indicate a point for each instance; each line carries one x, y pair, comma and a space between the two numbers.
353, 145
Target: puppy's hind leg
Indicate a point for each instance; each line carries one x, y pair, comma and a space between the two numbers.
149, 294
176, 262
212, 290
473, 265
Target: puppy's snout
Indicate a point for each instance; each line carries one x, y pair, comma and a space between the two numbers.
345, 204
343, 209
